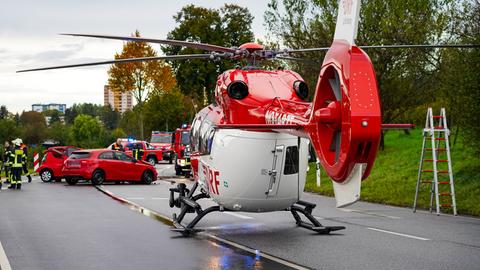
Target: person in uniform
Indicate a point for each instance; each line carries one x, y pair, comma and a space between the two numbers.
7, 166
18, 159
25, 165
117, 146
137, 151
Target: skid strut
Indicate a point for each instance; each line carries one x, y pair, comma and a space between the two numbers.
187, 202
306, 209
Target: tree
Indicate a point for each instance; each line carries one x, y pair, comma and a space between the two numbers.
3, 112
407, 78
228, 26
60, 132
459, 79
140, 78
110, 117
166, 111
8, 130
86, 131
34, 130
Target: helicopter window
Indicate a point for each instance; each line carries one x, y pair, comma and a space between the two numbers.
206, 126
195, 134
210, 140
291, 160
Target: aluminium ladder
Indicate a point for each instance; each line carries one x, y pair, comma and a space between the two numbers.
437, 135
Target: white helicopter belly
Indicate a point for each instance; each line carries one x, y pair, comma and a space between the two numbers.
254, 171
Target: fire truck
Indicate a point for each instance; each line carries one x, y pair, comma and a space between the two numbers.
181, 149
163, 140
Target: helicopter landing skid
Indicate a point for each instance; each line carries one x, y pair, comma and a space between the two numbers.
306, 209
188, 204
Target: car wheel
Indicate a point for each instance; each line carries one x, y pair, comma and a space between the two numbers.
178, 170
152, 160
98, 177
71, 180
147, 177
46, 175
171, 160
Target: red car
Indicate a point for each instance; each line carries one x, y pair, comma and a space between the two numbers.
52, 162
101, 165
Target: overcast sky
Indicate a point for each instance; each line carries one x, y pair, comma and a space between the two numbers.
28, 39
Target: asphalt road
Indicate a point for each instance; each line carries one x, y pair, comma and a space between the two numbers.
55, 226
376, 236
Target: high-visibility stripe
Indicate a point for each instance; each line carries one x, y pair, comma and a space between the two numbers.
36, 161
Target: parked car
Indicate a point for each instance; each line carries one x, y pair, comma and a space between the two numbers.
52, 162
163, 140
150, 154
104, 165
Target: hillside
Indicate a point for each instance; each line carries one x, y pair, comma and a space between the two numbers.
394, 175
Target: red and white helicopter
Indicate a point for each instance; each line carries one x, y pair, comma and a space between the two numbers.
249, 149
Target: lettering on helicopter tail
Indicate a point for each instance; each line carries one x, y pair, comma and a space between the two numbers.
273, 117
212, 178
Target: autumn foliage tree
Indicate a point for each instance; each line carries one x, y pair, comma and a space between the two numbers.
140, 78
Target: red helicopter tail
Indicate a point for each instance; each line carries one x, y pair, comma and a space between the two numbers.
345, 123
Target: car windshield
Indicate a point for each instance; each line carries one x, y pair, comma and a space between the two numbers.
80, 155
161, 139
186, 138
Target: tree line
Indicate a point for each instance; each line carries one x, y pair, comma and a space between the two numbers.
169, 93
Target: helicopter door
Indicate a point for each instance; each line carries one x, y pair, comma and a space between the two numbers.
276, 173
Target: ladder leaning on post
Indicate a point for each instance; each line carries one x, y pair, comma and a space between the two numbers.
443, 133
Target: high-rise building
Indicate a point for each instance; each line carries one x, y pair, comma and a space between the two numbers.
52, 106
117, 100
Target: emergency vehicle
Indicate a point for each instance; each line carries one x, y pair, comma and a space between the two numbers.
150, 154
181, 149
163, 140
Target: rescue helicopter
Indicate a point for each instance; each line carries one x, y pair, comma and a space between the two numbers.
249, 149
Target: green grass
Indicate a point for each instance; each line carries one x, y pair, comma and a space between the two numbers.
394, 175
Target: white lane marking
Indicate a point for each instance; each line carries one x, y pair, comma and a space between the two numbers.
158, 198
399, 234
4, 263
256, 252
318, 217
135, 198
367, 213
238, 215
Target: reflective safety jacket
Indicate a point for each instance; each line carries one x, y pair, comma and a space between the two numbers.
7, 159
117, 147
137, 153
18, 158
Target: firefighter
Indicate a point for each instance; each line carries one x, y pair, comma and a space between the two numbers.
117, 146
18, 159
25, 164
137, 151
7, 165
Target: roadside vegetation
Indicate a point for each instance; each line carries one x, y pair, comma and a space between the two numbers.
394, 176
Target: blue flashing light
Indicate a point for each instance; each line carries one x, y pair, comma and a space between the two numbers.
184, 125
130, 139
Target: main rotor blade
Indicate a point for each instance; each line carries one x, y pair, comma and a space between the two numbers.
401, 46
195, 45
421, 46
129, 60
297, 59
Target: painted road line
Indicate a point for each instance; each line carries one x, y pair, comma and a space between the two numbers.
255, 251
4, 263
367, 213
237, 215
318, 217
158, 198
399, 234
